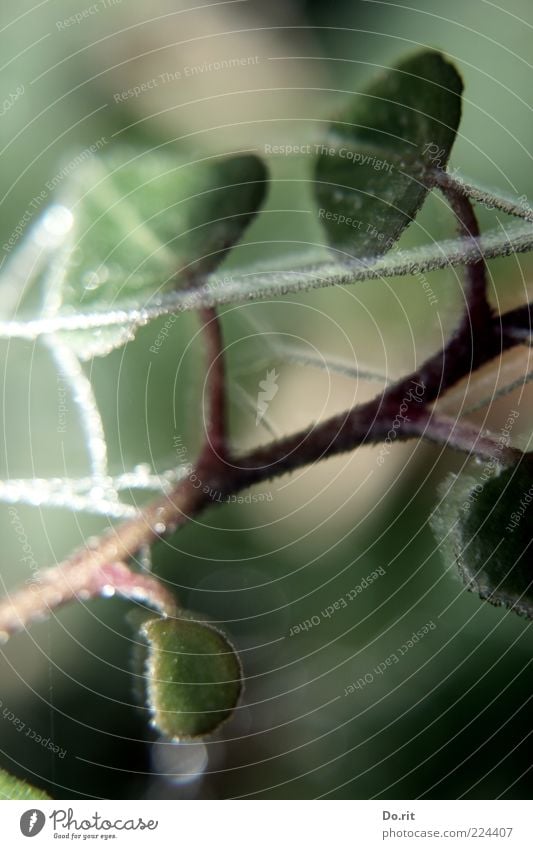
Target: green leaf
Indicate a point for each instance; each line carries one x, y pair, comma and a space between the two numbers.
130, 226
14, 788
485, 527
194, 677
370, 171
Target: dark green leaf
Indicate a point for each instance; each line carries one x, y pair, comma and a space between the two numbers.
194, 677
370, 174
138, 224
485, 527
14, 788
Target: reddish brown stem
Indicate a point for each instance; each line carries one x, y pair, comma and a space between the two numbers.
517, 325
478, 311
369, 423
80, 582
215, 447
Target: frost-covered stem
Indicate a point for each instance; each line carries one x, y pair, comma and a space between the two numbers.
69, 366
490, 198
79, 581
216, 437
293, 275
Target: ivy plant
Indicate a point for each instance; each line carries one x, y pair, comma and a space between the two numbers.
104, 273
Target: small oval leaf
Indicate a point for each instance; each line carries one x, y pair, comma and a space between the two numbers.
15, 788
486, 528
370, 169
194, 677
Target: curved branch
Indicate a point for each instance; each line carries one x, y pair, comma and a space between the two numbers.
216, 436
92, 569
80, 581
403, 410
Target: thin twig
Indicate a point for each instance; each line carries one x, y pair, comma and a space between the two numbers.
478, 308
517, 325
465, 436
490, 198
56, 587
216, 436
69, 366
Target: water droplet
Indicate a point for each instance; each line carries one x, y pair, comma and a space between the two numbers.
54, 599
180, 763
93, 279
54, 225
145, 558
98, 493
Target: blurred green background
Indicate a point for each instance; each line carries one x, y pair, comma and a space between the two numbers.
452, 718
